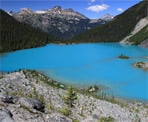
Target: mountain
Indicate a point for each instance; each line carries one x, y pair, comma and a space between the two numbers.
107, 17
64, 23
16, 35
118, 28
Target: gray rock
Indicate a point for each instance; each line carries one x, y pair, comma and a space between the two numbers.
31, 103
142, 65
144, 43
6, 116
56, 117
95, 116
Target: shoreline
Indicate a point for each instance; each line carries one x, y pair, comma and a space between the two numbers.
102, 88
68, 43
22, 91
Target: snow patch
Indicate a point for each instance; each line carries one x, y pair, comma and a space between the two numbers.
40, 12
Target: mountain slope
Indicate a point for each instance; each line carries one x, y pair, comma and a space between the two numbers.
16, 35
140, 36
64, 23
116, 29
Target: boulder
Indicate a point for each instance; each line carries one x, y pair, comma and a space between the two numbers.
31, 103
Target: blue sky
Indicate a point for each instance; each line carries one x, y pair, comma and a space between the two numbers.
89, 8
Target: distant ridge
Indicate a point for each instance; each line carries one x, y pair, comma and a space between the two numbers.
64, 23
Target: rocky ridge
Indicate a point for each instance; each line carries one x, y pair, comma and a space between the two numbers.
64, 23
30, 96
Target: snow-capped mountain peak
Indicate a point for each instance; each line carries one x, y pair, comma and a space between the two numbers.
107, 17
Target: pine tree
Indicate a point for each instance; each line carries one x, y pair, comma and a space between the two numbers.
70, 97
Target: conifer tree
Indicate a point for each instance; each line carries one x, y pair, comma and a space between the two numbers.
70, 97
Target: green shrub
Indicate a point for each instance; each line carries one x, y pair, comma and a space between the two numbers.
49, 106
65, 111
40, 98
123, 56
75, 120
70, 97
106, 119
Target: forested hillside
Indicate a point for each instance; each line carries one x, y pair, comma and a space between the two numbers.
116, 29
15, 35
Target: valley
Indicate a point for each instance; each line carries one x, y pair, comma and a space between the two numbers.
68, 61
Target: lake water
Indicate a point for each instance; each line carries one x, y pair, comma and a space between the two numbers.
86, 64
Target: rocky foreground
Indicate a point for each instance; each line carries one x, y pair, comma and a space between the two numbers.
28, 96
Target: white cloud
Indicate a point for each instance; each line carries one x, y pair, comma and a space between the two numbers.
98, 8
120, 9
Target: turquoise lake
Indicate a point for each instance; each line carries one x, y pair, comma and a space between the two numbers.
88, 64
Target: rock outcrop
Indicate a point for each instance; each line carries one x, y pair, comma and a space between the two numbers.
142, 65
